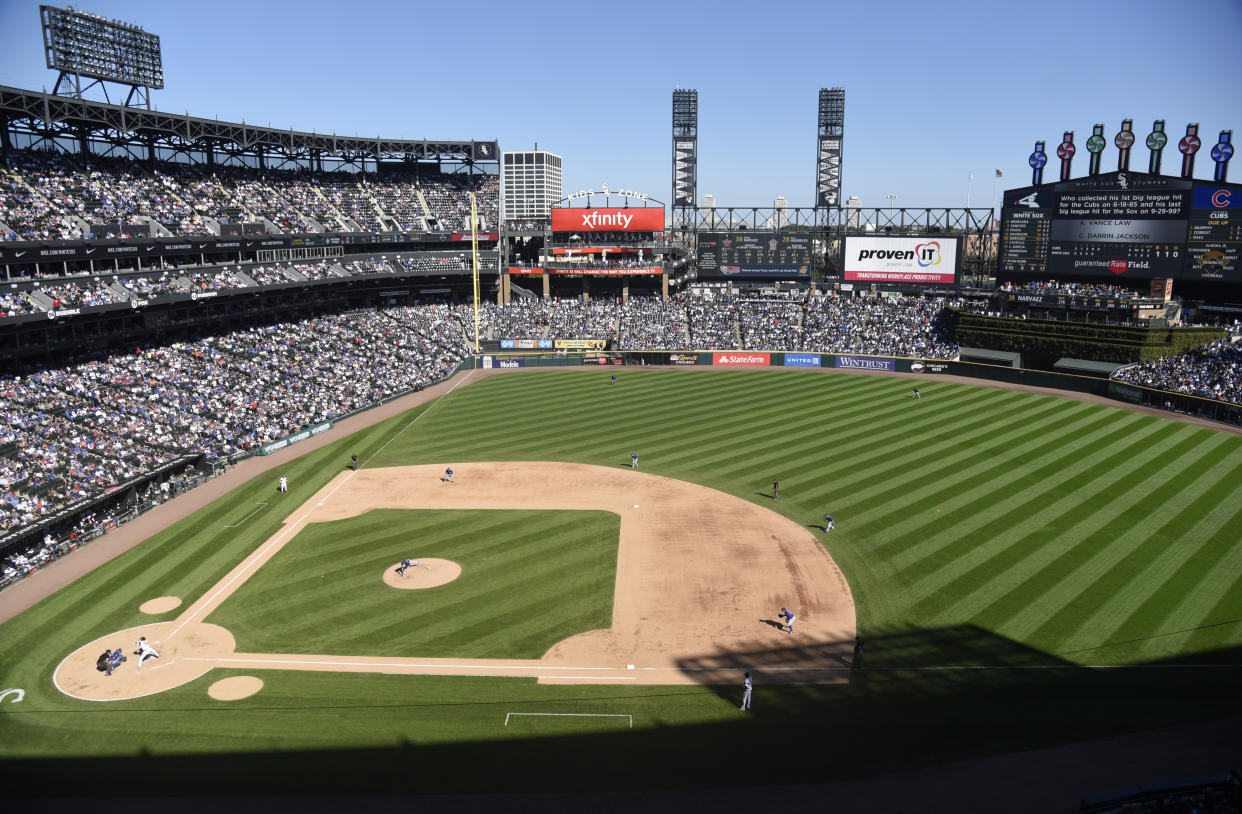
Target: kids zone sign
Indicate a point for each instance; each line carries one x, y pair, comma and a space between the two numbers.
902, 259
613, 219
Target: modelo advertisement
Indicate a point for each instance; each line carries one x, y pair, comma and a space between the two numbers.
492, 362
615, 219
741, 359
926, 260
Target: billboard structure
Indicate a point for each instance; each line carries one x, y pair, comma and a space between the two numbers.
81, 44
685, 148
830, 139
1124, 224
608, 219
777, 255
921, 260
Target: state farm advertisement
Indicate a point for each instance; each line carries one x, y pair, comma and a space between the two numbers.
740, 359
928, 260
641, 219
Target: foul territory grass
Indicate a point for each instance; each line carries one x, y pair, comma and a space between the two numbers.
529, 579
977, 528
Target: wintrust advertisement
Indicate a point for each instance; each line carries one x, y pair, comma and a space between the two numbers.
925, 260
639, 219
740, 359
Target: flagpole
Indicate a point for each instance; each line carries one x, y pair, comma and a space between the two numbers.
970, 179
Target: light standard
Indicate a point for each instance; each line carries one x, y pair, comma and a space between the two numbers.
891, 198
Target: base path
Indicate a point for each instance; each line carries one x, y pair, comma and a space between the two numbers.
701, 576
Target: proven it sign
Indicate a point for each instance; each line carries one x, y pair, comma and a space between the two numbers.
641, 219
933, 260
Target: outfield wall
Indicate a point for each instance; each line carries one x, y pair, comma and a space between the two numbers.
1226, 412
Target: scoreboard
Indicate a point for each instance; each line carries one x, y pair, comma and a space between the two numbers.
755, 254
1125, 224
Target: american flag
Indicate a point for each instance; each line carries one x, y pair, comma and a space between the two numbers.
1000, 174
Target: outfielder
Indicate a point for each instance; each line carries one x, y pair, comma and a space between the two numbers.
284, 484
916, 394
144, 651
829, 523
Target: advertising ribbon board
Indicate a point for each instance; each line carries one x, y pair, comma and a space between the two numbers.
741, 359
802, 360
579, 344
865, 363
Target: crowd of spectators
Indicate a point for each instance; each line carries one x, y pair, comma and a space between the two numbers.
54, 196
71, 432
152, 285
1212, 372
1075, 289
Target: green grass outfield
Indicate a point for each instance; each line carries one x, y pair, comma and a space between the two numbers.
978, 528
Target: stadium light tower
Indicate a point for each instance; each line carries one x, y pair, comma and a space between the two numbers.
80, 44
685, 149
831, 137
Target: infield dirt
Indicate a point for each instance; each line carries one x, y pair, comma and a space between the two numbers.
700, 578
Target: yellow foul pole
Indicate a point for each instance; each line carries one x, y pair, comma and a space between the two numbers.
474, 254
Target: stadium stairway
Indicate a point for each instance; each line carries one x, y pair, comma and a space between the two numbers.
422, 201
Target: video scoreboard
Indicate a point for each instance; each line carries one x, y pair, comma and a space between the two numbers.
777, 255
1124, 224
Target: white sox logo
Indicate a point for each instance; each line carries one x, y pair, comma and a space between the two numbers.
1122, 182
1028, 200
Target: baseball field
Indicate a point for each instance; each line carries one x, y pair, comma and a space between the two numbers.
1025, 571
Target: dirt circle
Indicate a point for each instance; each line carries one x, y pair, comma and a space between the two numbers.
186, 652
428, 573
161, 604
235, 688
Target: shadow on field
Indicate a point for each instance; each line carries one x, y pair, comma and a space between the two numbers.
926, 698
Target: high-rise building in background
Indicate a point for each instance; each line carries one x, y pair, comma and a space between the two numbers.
709, 201
853, 212
532, 184
780, 217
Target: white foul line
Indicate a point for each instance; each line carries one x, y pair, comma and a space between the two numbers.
263, 551
567, 715
247, 517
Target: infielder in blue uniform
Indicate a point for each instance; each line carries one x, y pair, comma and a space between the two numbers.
448, 475
749, 685
789, 619
829, 523
633, 460
404, 565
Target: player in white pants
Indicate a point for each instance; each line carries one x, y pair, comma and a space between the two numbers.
145, 650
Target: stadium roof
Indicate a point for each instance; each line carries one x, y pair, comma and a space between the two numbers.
185, 129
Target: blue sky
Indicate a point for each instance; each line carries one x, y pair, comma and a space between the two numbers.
934, 90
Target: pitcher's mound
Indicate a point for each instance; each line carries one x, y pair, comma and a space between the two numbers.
428, 573
161, 604
235, 688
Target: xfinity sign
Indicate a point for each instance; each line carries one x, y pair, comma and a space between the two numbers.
608, 219
932, 259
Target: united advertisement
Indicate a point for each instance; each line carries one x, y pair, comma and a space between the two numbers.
614, 219
924, 260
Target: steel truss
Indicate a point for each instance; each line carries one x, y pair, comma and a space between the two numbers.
51, 121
